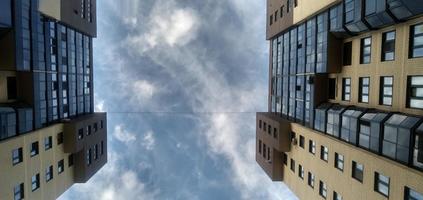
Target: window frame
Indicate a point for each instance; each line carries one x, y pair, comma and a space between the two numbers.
361, 87
19, 158
386, 43
302, 142
312, 147
36, 182
338, 160
354, 170
410, 92
311, 179
19, 190
412, 37
378, 181
323, 189
324, 153
347, 49
363, 46
382, 88
301, 172
48, 143
344, 89
408, 191
35, 149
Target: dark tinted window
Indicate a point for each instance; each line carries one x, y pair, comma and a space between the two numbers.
370, 7
11, 88
386, 90
364, 90
415, 92
366, 50
332, 88
388, 46
416, 41
347, 53
346, 89
357, 171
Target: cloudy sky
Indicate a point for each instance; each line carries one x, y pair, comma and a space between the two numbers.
181, 81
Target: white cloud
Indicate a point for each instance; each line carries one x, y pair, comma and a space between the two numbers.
148, 141
99, 106
123, 135
175, 28
143, 90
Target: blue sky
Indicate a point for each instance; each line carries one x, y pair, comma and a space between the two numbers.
181, 81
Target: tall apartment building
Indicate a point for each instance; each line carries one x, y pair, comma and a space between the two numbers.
50, 137
345, 99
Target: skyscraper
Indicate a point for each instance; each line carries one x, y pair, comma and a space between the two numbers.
50, 136
345, 99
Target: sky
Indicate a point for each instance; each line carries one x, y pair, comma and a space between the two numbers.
181, 81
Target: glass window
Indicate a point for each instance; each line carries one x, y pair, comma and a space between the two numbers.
60, 138
396, 143
285, 159
271, 20
332, 88
260, 124
292, 165
339, 161
336, 196
323, 189
346, 89
49, 173
89, 130
312, 147
11, 88
364, 90
300, 171
349, 11
416, 43
366, 50
60, 166
347, 54
17, 156
415, 92
382, 184
35, 182
80, 134
18, 192
357, 171
388, 46
34, 149
310, 180
275, 133
324, 153
370, 7
386, 90
259, 146
302, 141
70, 160
411, 194
88, 156
47, 143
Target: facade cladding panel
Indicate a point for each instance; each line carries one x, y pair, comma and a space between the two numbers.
311, 46
376, 13
350, 124
301, 47
322, 43
404, 9
293, 52
370, 130
336, 21
354, 19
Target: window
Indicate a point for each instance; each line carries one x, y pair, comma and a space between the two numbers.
276, 16
271, 20
60, 166
47, 143
101, 124
339, 161
264, 126
386, 90
17, 156
336, 196
95, 151
324, 153
415, 92
301, 172
370, 7
70, 160
282, 11
292, 165
80, 134
416, 41
35, 182
347, 54
89, 156
349, 11
323, 190
295, 3
101, 148
302, 141
410, 194
396, 142
312, 147
34, 149
357, 171
382, 184
346, 89
285, 159
260, 124
364, 89
49, 173
293, 136
310, 180
332, 88
89, 130
388, 46
264, 150
18, 192
275, 133
259, 145
95, 127
288, 4
11, 88
366, 50
269, 129
60, 138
